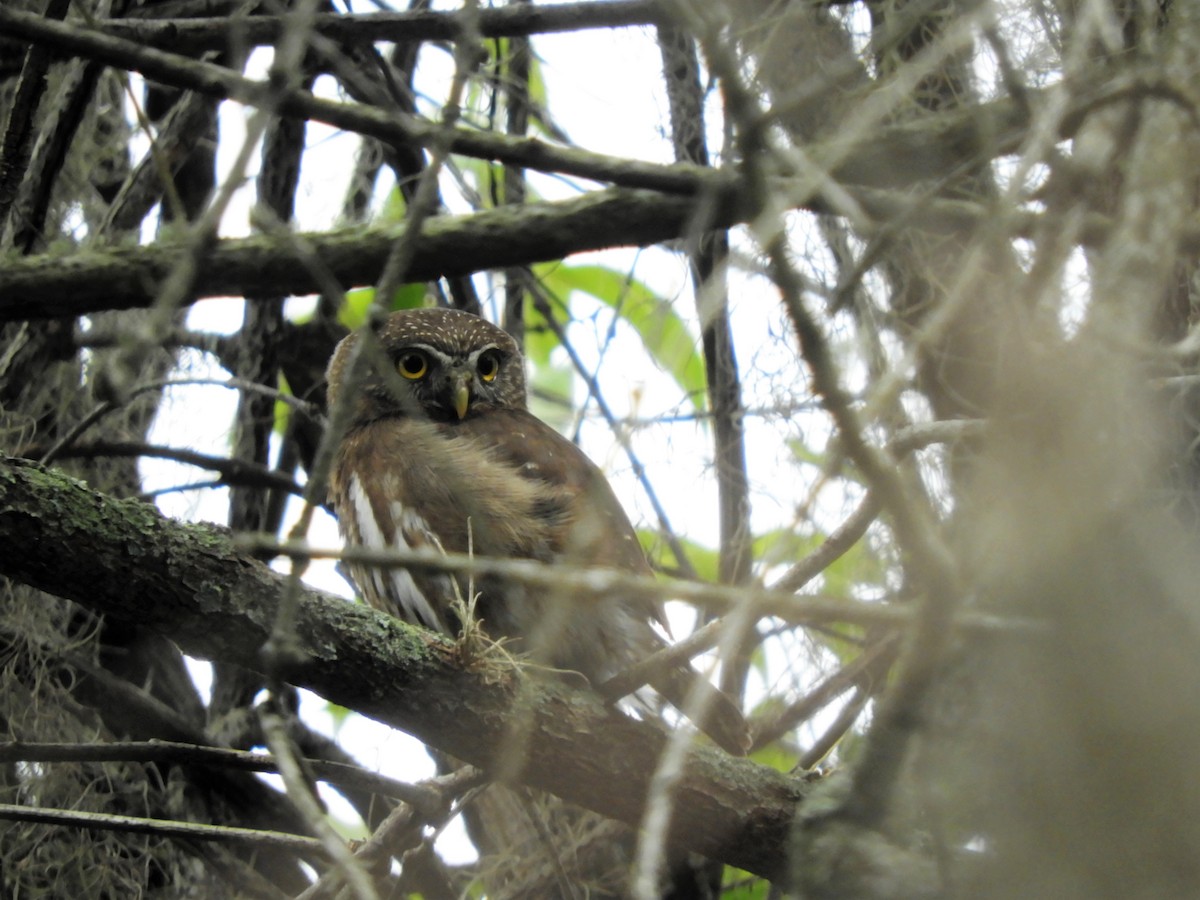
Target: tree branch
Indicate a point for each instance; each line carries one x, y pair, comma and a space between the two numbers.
388, 125
127, 277
216, 32
424, 800
798, 610
18, 133
51, 285
139, 825
189, 583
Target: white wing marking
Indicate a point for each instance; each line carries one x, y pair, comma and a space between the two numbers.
395, 584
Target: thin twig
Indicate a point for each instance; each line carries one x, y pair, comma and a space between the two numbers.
661, 661
402, 830
839, 541
92, 821
232, 471
785, 606
302, 793
821, 695
60, 447
836, 731
903, 442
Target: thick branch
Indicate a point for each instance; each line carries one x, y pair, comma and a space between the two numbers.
89, 281
217, 32
123, 559
128, 277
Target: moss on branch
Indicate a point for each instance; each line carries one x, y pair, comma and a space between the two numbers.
189, 582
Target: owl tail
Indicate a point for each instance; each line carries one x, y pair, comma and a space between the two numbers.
719, 718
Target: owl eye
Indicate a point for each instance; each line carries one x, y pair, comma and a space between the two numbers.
412, 365
489, 366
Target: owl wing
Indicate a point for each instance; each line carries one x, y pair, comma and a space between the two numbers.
598, 533
589, 527
370, 498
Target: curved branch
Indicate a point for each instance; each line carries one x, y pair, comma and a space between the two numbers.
189, 583
234, 472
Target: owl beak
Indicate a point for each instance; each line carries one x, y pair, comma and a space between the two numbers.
462, 394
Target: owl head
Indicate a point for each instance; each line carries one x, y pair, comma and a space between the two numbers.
446, 365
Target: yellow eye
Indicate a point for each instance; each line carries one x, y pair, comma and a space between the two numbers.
489, 366
412, 365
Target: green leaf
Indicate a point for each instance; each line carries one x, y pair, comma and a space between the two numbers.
539, 96
340, 715
354, 311
803, 454
857, 566
664, 334
783, 546
548, 377
283, 411
775, 756
408, 296
540, 339
740, 885
705, 560
395, 208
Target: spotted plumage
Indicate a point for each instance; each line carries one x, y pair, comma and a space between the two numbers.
441, 452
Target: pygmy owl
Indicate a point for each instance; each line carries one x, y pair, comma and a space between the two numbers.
441, 452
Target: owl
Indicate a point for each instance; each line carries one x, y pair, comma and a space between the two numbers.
442, 453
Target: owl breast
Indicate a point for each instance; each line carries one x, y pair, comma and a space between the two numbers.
415, 484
